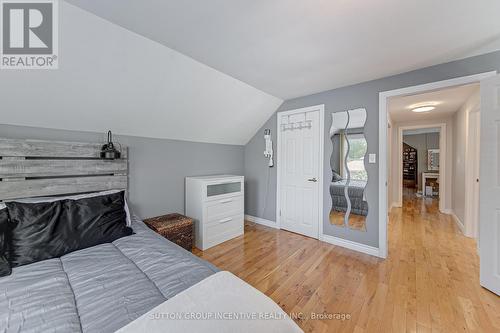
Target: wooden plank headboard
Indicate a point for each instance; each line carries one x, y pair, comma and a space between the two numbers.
33, 168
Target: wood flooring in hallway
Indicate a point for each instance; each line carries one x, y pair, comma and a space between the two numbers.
429, 283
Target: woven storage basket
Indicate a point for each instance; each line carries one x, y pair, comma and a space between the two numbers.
176, 228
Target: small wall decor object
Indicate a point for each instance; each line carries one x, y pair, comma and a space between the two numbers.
108, 151
268, 153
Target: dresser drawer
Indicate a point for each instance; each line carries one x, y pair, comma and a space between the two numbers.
223, 208
224, 229
223, 190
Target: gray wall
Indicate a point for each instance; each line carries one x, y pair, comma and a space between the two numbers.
422, 142
157, 166
360, 95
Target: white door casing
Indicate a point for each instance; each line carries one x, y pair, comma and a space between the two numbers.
443, 147
489, 206
382, 140
300, 171
472, 157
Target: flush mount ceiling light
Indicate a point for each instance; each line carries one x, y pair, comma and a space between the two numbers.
424, 108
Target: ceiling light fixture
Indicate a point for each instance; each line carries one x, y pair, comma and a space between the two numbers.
424, 109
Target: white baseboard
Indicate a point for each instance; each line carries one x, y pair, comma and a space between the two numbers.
258, 220
459, 223
373, 251
447, 211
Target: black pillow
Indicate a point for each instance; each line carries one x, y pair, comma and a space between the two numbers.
5, 268
47, 230
336, 177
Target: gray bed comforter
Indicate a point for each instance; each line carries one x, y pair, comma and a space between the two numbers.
98, 289
356, 190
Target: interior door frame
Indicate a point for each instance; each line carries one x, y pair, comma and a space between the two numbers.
321, 109
384, 96
471, 223
443, 149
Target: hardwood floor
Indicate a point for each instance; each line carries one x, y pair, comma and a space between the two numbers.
429, 283
355, 221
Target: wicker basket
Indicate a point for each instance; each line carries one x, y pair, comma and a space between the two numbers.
176, 228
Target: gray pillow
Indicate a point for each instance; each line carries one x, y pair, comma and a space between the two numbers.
336, 177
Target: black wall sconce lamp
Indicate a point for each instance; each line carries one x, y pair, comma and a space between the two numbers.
108, 151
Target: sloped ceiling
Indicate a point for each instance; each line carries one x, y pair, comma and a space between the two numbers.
112, 78
291, 48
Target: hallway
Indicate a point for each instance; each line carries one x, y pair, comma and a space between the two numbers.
441, 268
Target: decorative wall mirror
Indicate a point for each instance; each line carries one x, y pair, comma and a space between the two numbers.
433, 159
347, 187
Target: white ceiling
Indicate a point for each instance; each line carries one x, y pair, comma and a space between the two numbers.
446, 101
291, 48
111, 78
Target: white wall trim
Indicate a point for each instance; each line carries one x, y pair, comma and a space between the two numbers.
264, 222
373, 251
471, 224
370, 250
459, 223
443, 149
382, 140
321, 109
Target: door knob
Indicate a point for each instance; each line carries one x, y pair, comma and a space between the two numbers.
312, 180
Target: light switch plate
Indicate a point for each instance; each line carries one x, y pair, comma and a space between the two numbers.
372, 158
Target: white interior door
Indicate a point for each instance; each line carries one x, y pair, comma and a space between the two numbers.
299, 167
489, 207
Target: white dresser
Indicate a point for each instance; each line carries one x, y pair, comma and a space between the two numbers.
217, 205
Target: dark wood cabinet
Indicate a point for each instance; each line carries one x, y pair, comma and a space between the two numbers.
410, 166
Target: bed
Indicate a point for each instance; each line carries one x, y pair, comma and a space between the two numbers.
99, 289
356, 189
113, 285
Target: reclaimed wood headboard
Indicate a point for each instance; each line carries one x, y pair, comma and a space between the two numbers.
34, 168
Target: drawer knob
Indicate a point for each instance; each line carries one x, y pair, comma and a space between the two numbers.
226, 200
226, 220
